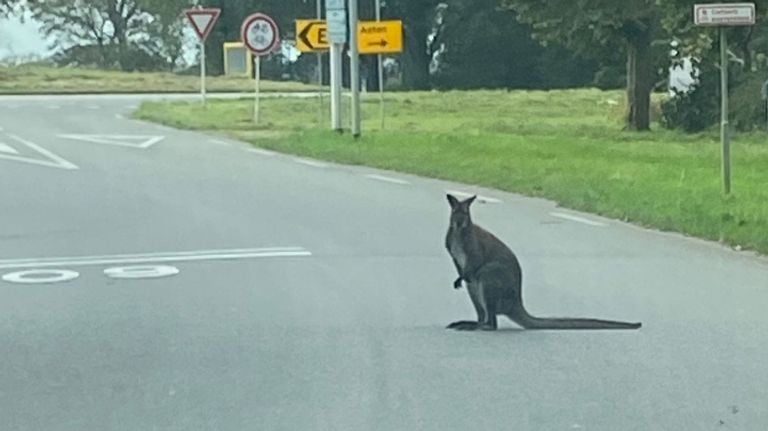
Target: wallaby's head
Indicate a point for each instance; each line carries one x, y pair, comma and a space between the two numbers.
460, 217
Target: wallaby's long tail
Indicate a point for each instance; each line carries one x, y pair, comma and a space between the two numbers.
524, 319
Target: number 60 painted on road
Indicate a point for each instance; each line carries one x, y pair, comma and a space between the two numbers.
39, 276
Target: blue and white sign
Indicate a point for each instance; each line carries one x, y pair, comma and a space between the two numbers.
336, 19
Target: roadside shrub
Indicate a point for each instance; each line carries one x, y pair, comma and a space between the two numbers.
696, 109
699, 108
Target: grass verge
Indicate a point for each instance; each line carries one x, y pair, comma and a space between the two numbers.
31, 79
564, 145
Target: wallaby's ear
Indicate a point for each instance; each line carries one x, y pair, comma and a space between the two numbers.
470, 200
452, 200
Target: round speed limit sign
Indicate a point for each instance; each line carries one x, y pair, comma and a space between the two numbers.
259, 33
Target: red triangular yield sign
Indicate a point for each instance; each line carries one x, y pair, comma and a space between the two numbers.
202, 20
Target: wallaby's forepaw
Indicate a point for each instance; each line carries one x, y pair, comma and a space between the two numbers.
463, 325
457, 283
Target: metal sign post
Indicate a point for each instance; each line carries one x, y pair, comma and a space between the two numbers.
319, 16
354, 68
260, 34
723, 15
725, 137
336, 19
371, 37
380, 72
202, 20
257, 89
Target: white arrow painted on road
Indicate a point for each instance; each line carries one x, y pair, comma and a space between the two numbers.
5, 148
182, 256
51, 160
134, 141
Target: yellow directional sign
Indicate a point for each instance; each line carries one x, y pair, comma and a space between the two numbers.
374, 37
380, 37
311, 35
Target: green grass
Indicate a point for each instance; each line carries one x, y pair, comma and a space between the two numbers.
34, 78
564, 145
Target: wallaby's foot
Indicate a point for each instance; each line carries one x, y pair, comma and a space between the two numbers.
464, 325
486, 327
457, 283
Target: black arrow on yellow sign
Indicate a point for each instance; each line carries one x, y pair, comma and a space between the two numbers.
381, 43
314, 43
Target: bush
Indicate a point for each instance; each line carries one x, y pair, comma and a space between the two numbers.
699, 108
747, 109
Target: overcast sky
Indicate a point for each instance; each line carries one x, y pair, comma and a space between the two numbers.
20, 39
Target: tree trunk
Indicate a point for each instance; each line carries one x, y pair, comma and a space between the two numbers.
639, 82
415, 58
115, 11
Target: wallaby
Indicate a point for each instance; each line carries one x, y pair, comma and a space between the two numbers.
494, 278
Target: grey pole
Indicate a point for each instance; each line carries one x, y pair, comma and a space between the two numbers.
725, 139
319, 14
354, 66
336, 86
257, 91
380, 72
202, 70
764, 94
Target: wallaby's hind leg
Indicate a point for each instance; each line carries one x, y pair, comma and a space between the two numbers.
489, 323
489, 290
477, 301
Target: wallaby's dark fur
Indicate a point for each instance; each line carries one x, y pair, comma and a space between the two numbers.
494, 278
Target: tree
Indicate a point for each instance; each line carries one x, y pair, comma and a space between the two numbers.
419, 28
481, 46
590, 25
698, 108
122, 30
6, 6
164, 37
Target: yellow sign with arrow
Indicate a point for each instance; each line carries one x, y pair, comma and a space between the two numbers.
374, 37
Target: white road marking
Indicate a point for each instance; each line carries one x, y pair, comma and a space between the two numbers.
480, 198
53, 162
37, 276
387, 179
133, 141
119, 116
261, 152
184, 256
311, 163
577, 219
94, 107
5, 148
149, 271
219, 142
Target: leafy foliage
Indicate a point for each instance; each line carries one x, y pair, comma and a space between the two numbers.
118, 30
597, 28
696, 109
747, 51
500, 52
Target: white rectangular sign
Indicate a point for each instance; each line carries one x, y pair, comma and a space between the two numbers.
337, 25
724, 14
334, 4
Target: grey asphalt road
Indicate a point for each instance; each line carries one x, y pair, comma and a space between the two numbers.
301, 295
